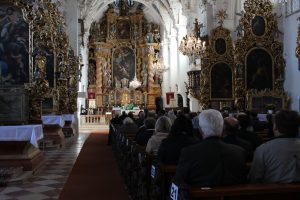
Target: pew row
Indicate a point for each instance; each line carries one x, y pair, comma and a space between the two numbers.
237, 192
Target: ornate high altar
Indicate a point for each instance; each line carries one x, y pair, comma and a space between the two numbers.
122, 46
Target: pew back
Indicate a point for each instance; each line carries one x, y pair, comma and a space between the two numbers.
242, 192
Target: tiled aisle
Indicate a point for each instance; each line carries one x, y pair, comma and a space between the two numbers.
48, 182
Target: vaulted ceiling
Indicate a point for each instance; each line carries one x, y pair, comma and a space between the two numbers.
163, 12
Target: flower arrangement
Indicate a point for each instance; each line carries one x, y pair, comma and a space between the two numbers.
226, 108
270, 106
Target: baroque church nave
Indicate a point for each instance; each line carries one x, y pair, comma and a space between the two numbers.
69, 67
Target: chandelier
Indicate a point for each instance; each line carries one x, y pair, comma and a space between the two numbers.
134, 83
191, 45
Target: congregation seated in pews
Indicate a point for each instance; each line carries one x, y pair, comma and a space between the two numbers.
216, 165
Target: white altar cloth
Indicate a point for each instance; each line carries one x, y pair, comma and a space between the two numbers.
68, 117
32, 133
53, 119
135, 110
262, 117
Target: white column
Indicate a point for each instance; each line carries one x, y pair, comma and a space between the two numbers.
183, 64
174, 67
292, 72
194, 104
166, 75
84, 77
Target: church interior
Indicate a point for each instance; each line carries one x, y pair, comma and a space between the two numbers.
94, 92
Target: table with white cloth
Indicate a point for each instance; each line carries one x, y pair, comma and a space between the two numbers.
262, 117
69, 128
32, 133
53, 120
53, 125
19, 146
69, 117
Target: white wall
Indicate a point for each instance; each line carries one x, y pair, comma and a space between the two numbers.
292, 76
71, 18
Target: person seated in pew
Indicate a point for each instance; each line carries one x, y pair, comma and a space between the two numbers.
128, 127
246, 134
141, 118
123, 116
231, 126
211, 162
278, 160
162, 130
171, 115
255, 123
269, 125
116, 119
145, 134
181, 135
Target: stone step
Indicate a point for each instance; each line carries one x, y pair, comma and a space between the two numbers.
91, 128
48, 145
20, 179
13, 175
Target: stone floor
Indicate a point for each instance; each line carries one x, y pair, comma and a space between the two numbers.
49, 180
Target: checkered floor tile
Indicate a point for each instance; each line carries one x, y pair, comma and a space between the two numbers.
48, 182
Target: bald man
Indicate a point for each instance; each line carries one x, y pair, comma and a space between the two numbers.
230, 129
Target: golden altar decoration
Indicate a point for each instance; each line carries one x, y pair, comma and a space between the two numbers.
258, 55
123, 46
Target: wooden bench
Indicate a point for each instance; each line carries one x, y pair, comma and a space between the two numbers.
240, 192
167, 172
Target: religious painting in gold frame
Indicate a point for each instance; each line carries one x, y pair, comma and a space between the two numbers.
259, 69
254, 40
217, 59
221, 82
258, 25
123, 63
15, 44
123, 29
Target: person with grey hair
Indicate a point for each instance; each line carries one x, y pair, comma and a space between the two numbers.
162, 129
128, 127
211, 162
171, 115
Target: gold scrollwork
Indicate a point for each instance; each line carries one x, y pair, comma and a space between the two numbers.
143, 38
298, 41
281, 99
259, 25
219, 50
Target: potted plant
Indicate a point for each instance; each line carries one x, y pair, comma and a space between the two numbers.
226, 109
270, 107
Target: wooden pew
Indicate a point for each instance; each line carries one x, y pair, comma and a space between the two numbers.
162, 180
240, 192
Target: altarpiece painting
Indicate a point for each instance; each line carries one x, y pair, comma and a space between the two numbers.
259, 70
123, 64
221, 81
14, 46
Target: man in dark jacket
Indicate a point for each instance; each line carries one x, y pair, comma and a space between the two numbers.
231, 126
211, 162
